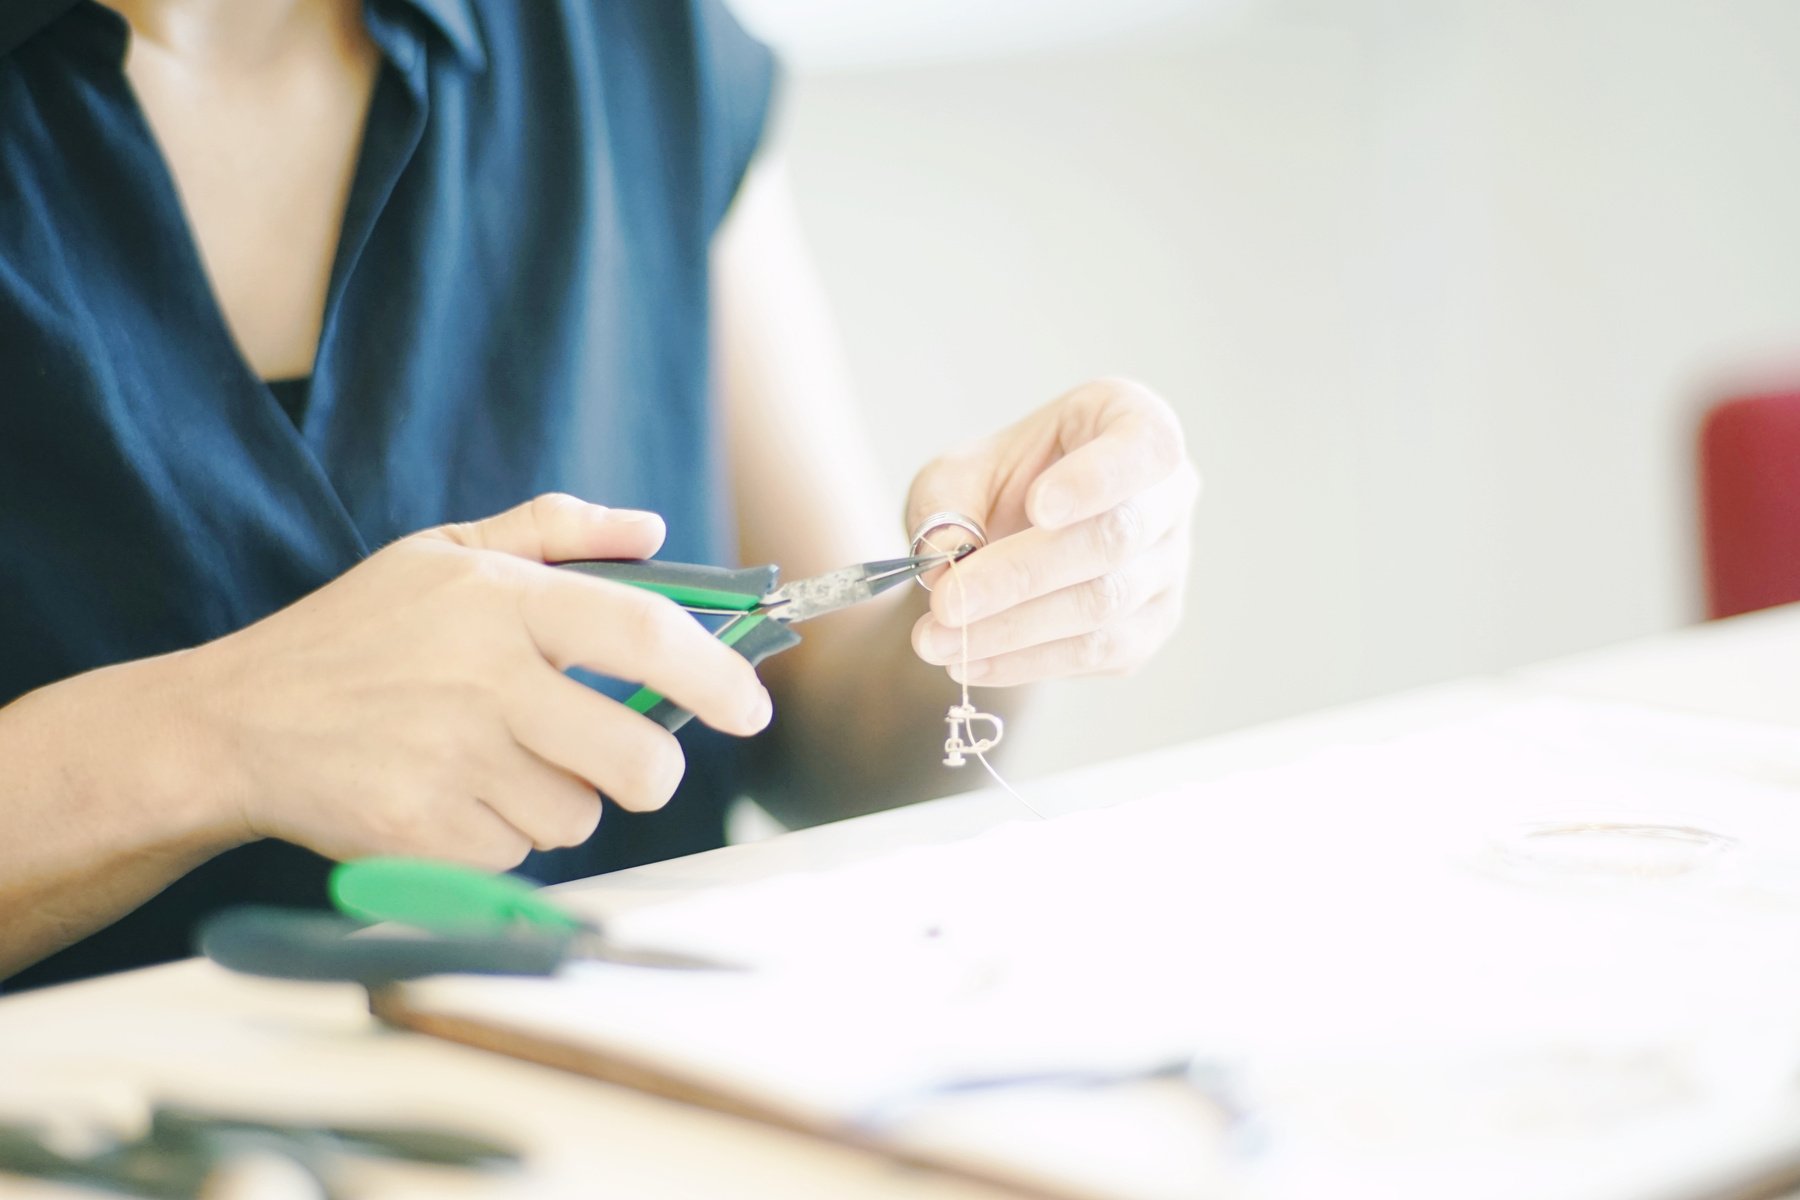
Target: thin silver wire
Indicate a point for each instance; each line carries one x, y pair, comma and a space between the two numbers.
964, 681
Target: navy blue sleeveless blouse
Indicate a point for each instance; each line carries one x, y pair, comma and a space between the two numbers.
518, 304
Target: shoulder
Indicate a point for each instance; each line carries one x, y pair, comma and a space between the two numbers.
677, 79
703, 31
664, 50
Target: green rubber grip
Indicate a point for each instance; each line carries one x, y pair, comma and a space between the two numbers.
442, 897
756, 637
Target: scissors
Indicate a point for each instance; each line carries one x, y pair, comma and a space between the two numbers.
758, 611
469, 922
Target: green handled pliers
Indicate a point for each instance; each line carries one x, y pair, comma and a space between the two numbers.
475, 922
468, 922
758, 611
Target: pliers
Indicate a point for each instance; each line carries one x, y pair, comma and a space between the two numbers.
462, 921
759, 611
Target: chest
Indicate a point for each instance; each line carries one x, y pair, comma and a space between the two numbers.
516, 305
263, 157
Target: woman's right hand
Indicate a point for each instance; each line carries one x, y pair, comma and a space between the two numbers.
416, 705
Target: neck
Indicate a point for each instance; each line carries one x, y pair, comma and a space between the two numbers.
241, 31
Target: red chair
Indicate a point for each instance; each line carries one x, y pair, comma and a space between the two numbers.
1750, 502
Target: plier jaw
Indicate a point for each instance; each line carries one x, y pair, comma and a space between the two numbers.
758, 611
804, 599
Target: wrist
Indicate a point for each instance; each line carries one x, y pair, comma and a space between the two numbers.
164, 744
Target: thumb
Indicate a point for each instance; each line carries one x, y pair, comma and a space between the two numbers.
557, 528
961, 482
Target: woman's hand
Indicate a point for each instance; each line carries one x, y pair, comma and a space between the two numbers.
417, 704
1088, 502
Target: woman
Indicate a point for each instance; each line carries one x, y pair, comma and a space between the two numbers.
284, 281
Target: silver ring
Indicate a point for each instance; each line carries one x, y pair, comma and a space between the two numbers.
937, 520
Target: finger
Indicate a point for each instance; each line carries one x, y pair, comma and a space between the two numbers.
570, 726
1119, 438
1111, 596
1036, 562
559, 528
548, 804
961, 481
945, 540
474, 834
1117, 648
632, 634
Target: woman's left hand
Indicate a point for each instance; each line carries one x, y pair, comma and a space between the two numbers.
1088, 503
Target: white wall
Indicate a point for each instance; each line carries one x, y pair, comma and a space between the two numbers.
1437, 286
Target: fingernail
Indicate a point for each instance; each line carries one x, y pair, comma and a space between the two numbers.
761, 710
1053, 505
969, 672
633, 516
940, 643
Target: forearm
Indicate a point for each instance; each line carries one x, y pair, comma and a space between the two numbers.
859, 723
107, 797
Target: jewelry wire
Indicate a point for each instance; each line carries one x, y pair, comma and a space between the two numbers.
961, 596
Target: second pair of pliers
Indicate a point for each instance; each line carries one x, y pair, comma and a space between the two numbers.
462, 921
758, 611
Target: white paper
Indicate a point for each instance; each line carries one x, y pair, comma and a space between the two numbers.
1362, 942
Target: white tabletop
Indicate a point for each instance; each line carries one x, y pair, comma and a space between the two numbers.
193, 1032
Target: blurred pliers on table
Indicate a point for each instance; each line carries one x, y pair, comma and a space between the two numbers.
442, 918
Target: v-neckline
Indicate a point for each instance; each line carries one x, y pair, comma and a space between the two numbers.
362, 205
292, 393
